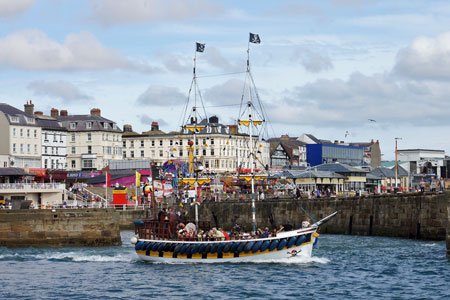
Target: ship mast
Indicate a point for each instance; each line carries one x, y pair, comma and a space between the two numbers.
249, 105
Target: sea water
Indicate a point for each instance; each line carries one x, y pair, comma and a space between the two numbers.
342, 267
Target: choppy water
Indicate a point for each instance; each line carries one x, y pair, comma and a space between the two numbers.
342, 267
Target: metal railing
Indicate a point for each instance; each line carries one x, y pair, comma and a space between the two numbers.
32, 186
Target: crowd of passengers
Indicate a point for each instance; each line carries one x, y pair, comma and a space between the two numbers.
190, 232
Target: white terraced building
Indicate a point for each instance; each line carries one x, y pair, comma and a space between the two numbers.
219, 148
20, 134
92, 140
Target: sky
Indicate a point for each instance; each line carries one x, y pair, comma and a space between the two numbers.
347, 70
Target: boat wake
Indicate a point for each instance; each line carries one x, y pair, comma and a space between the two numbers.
67, 257
80, 257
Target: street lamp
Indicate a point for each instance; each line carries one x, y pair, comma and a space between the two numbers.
396, 161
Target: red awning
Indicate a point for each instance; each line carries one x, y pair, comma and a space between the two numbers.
39, 172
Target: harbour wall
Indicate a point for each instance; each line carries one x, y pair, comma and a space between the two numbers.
419, 216
127, 217
60, 228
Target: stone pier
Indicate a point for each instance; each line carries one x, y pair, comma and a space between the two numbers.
59, 228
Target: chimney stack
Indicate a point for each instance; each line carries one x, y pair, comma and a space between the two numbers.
39, 113
54, 113
233, 129
284, 137
155, 126
63, 113
29, 108
127, 128
95, 112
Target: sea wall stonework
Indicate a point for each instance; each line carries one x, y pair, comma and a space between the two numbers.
421, 216
59, 228
127, 217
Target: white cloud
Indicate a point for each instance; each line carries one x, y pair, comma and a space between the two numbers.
161, 96
344, 103
34, 50
314, 62
147, 120
227, 93
63, 90
111, 12
11, 8
425, 58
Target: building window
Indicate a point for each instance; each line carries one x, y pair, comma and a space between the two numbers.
14, 132
212, 152
73, 137
153, 153
14, 147
124, 154
204, 152
89, 149
142, 143
28, 132
89, 136
131, 153
105, 125
28, 148
35, 148
142, 153
73, 125
45, 163
21, 132
124, 143
160, 153
212, 141
35, 133
160, 142
170, 142
196, 151
88, 163
153, 143
181, 152
181, 142
89, 125
132, 144
73, 150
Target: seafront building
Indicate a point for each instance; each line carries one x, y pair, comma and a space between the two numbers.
287, 152
53, 139
219, 148
92, 140
20, 134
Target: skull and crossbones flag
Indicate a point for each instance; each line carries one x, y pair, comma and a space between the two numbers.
200, 47
254, 38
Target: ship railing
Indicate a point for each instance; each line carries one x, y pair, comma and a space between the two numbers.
152, 229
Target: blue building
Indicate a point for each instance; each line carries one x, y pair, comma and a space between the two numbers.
317, 154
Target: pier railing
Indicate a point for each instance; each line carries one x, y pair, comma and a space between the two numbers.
32, 186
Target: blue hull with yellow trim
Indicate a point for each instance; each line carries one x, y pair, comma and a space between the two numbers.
286, 245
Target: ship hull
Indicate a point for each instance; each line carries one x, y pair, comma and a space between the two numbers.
285, 246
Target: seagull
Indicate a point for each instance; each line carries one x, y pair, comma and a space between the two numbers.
372, 120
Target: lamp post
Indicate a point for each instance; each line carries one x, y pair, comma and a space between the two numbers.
396, 161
